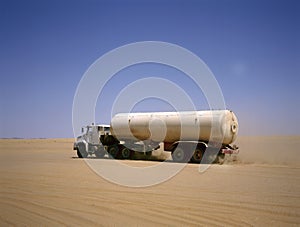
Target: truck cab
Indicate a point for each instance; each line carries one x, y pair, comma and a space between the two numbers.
88, 143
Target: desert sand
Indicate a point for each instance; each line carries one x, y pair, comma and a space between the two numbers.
43, 183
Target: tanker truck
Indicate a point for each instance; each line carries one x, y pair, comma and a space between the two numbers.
187, 135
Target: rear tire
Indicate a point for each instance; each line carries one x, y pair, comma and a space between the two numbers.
81, 151
178, 155
148, 154
197, 155
220, 159
113, 151
126, 153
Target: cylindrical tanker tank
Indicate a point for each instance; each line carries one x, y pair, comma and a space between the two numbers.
211, 125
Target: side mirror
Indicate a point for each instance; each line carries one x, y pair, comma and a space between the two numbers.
82, 130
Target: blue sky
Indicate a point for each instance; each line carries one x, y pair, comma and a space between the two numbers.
252, 47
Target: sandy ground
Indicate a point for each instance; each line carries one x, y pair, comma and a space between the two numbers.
42, 183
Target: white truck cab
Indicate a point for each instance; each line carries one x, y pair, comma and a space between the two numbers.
89, 142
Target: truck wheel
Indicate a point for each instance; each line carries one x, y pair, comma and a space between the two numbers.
81, 152
100, 152
126, 153
148, 154
197, 155
220, 159
178, 155
113, 151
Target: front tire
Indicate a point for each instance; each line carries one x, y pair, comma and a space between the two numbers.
100, 152
81, 151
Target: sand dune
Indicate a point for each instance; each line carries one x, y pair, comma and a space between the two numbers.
42, 183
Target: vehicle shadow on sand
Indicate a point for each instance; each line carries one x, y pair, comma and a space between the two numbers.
227, 160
